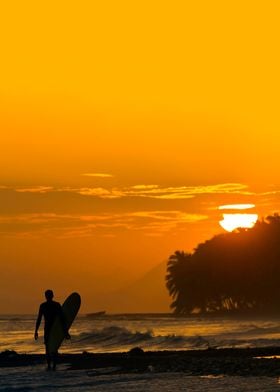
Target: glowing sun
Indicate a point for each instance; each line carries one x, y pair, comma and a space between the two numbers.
234, 220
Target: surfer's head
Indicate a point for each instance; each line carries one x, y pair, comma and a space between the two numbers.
49, 295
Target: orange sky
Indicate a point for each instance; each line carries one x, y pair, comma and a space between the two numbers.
124, 125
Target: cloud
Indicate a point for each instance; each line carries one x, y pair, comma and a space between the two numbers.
143, 191
237, 206
167, 216
103, 224
269, 193
157, 192
35, 189
33, 219
144, 187
98, 175
99, 192
66, 214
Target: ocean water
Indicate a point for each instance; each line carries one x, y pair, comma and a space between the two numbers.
115, 333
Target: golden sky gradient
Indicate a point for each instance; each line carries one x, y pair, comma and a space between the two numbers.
124, 125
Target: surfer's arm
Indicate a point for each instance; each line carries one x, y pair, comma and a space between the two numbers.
38, 322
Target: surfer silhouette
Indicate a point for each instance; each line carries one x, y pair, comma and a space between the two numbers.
50, 310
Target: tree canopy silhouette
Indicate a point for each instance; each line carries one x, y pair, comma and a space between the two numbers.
236, 272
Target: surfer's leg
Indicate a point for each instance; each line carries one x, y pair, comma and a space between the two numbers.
48, 356
49, 359
54, 360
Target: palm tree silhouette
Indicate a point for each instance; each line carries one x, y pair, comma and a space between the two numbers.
232, 272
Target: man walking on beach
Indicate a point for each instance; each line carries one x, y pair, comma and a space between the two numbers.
50, 310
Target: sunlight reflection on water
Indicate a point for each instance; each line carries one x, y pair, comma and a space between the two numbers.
114, 333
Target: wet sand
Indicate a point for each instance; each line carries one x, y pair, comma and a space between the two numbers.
262, 362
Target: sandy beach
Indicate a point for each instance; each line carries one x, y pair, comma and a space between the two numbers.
196, 370
215, 362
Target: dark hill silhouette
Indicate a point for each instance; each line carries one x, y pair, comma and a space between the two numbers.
236, 272
147, 294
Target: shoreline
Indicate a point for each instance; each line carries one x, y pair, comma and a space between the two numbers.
229, 361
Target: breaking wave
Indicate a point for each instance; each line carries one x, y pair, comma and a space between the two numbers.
115, 338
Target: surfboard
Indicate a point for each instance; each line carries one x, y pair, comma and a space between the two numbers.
70, 310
